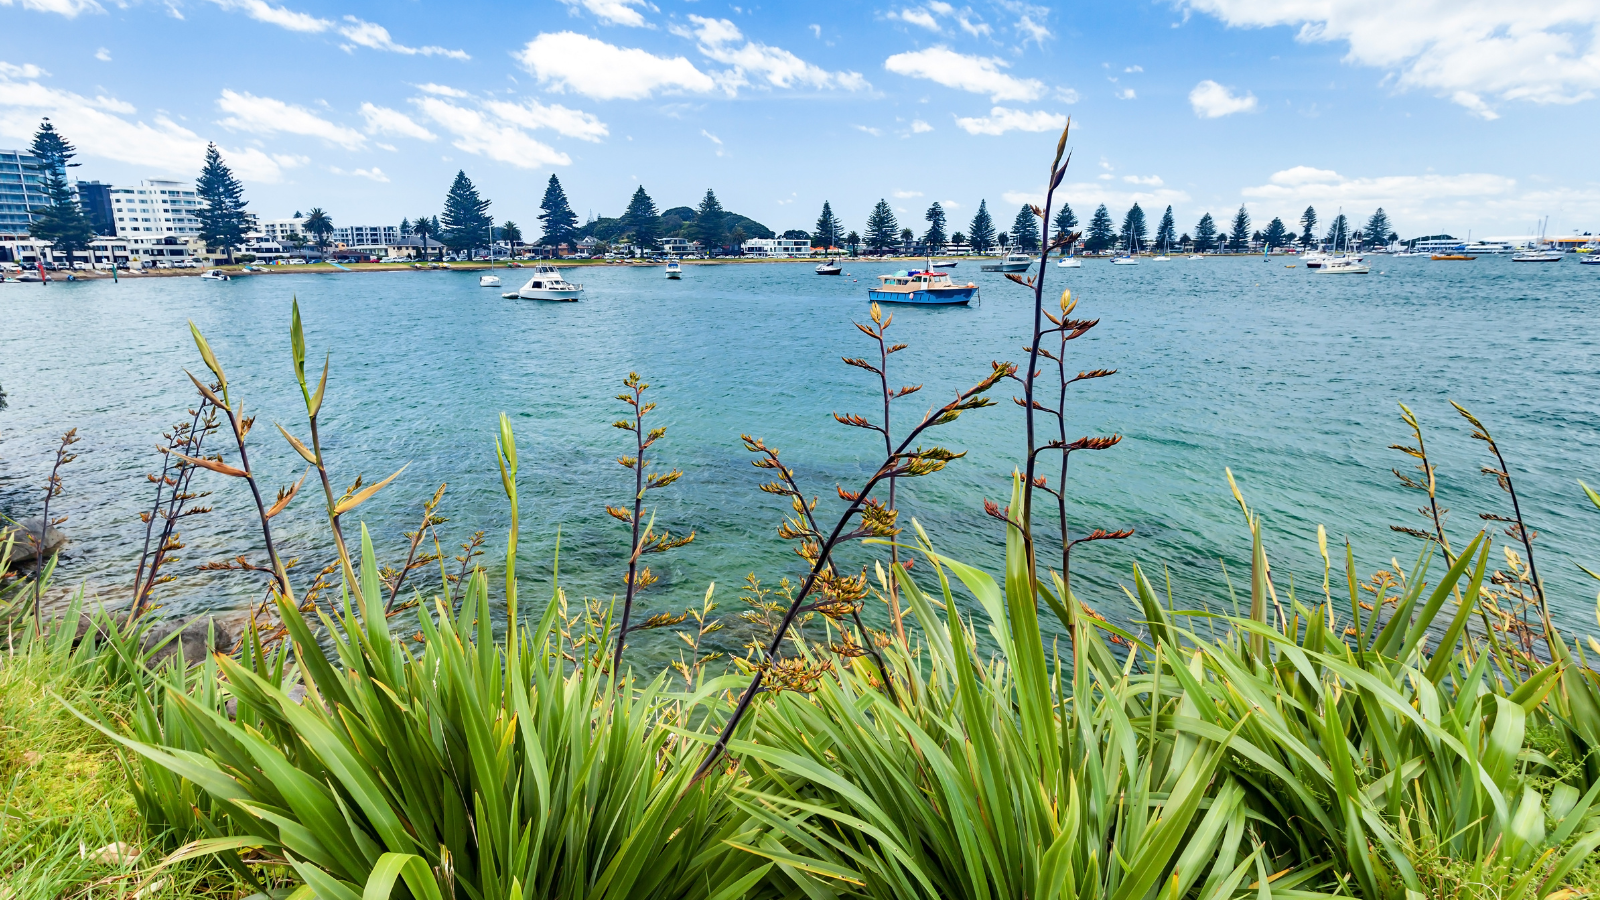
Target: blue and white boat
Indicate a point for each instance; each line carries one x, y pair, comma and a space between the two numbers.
922, 287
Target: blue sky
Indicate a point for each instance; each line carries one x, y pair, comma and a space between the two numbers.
1471, 114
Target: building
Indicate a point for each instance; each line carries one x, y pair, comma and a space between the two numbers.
366, 236
412, 247
679, 246
156, 207
776, 247
586, 246
21, 192
280, 230
95, 198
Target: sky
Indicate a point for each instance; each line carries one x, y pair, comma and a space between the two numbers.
1455, 116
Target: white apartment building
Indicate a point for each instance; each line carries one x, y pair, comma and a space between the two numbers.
776, 247
279, 230
156, 207
366, 235
679, 246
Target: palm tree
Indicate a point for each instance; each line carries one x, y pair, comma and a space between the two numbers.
320, 226
512, 235
422, 227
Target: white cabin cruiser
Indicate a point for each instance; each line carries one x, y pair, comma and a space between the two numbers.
488, 281
546, 283
215, 275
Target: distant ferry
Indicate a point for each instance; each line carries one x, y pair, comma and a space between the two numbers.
926, 288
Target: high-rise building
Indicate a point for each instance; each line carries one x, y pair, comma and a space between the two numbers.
21, 192
156, 207
95, 198
366, 235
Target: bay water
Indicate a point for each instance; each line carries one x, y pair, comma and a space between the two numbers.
1290, 378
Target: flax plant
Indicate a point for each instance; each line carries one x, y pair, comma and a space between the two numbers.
643, 538
173, 501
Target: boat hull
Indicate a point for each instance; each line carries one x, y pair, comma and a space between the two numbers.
950, 297
835, 270
1069, 264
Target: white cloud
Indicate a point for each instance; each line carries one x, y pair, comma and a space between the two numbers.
906, 195
1127, 94
103, 55
374, 173
482, 136
721, 41
1066, 95
1303, 175
943, 9
1030, 20
1211, 100
281, 16
1464, 49
614, 12
98, 129
569, 61
1427, 202
265, 115
533, 115
441, 90
713, 139
918, 17
978, 74
920, 127
1151, 180
376, 37
816, 30
383, 120
68, 8
949, 204
1475, 104
1134, 69
26, 71
1084, 196
868, 129
1001, 120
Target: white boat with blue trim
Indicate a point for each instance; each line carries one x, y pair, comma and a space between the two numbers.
922, 287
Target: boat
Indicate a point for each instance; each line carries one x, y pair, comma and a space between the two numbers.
1589, 261
674, 270
1014, 262
547, 284
1409, 253
1452, 257
33, 278
830, 267
1196, 256
1125, 261
924, 287
952, 265
488, 281
1541, 255
1345, 265
215, 275
1070, 262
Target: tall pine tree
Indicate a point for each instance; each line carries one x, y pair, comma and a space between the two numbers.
1338, 232
1205, 234
223, 220
1376, 232
1166, 232
1066, 220
62, 223
466, 217
1135, 233
882, 229
935, 238
1308, 226
1102, 233
1239, 237
1025, 231
827, 234
642, 220
559, 222
1277, 234
981, 232
710, 222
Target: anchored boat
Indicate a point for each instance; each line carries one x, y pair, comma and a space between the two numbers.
831, 267
674, 270
547, 284
922, 287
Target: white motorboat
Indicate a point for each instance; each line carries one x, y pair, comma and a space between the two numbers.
546, 283
1196, 256
1344, 265
1014, 262
674, 270
488, 281
1410, 253
215, 275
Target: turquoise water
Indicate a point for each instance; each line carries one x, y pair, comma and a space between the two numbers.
1288, 377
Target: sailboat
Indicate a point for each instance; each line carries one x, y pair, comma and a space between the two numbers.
1543, 253
491, 279
1129, 258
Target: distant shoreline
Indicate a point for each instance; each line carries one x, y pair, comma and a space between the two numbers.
237, 269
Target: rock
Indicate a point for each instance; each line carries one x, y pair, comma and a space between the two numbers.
23, 550
191, 641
